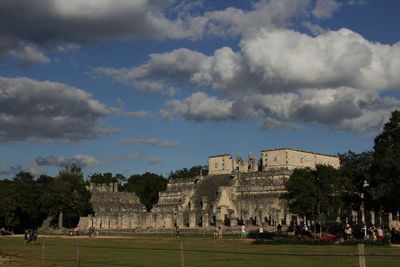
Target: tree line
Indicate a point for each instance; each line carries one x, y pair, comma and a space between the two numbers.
26, 201
368, 180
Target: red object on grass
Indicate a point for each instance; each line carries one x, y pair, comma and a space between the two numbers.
328, 236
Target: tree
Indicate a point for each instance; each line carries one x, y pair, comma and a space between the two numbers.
70, 196
107, 178
312, 192
384, 182
355, 170
24, 177
192, 172
146, 187
21, 203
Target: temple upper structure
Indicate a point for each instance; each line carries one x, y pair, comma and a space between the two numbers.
275, 159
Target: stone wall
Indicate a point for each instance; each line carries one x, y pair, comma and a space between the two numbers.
286, 158
222, 164
115, 210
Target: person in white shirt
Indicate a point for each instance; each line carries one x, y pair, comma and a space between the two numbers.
243, 232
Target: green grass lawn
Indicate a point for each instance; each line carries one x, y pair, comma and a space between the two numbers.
153, 250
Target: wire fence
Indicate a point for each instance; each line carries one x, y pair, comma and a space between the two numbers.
76, 254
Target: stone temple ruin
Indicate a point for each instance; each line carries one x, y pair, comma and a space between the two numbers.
234, 192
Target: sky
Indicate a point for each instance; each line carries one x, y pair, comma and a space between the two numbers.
130, 86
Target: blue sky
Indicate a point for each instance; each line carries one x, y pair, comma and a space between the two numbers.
133, 86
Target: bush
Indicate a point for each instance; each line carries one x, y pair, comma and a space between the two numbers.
295, 241
254, 234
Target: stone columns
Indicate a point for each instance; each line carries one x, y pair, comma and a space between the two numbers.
363, 215
179, 218
204, 212
354, 216
206, 219
224, 211
192, 219
288, 218
192, 216
60, 220
260, 216
151, 220
373, 217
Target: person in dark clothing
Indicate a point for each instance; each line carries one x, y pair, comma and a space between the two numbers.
279, 228
177, 231
25, 236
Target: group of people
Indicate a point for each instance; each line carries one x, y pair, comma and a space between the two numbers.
91, 231
373, 233
30, 236
302, 229
78, 231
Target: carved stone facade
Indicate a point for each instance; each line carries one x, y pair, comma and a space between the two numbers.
234, 192
224, 199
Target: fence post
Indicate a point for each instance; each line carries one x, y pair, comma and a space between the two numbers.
78, 263
182, 256
43, 252
361, 255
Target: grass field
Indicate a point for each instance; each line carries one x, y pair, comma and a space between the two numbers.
162, 250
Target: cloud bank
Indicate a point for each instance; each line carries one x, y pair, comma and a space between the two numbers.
282, 77
30, 29
43, 111
81, 161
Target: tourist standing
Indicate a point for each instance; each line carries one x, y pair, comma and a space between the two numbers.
372, 230
243, 232
77, 230
260, 231
177, 231
30, 236
25, 236
348, 232
216, 230
279, 228
380, 233
34, 236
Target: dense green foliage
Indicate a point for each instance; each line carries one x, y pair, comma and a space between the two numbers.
355, 170
312, 192
370, 178
146, 186
107, 178
21, 203
25, 202
192, 172
69, 195
384, 181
